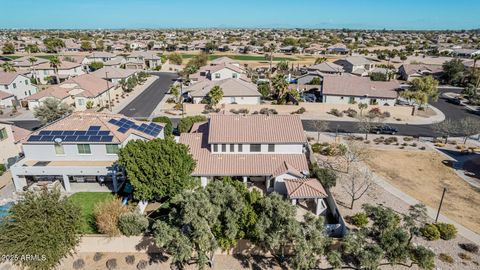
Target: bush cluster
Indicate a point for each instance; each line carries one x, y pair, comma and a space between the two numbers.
351, 112
186, 123
240, 111
360, 220
167, 122
132, 223
336, 112
107, 214
470, 247
447, 231
300, 111
430, 232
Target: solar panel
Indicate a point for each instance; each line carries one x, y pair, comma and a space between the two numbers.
56, 132
106, 138
82, 138
113, 121
47, 138
103, 132
92, 132
71, 138
44, 132
94, 128
94, 138
34, 138
122, 129
68, 132
80, 132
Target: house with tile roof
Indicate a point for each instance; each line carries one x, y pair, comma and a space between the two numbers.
409, 72
234, 91
10, 137
14, 87
44, 72
113, 74
353, 89
79, 152
147, 59
254, 148
357, 65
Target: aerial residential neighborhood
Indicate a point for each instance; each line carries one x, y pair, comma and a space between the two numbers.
254, 135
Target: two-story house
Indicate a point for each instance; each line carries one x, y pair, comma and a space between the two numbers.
147, 59
14, 87
357, 65
102, 57
255, 149
10, 136
79, 152
45, 73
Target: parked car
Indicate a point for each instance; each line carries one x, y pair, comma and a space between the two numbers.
455, 101
308, 97
385, 129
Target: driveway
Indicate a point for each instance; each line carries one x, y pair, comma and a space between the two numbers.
145, 103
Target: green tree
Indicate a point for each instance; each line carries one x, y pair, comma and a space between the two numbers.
51, 109
53, 45
264, 89
8, 67
282, 67
99, 45
280, 86
175, 58
8, 48
315, 81
43, 224
215, 95
453, 71
86, 45
362, 106
32, 48
186, 123
96, 66
320, 60
326, 176
175, 91
421, 89
55, 63
168, 124
157, 169
32, 61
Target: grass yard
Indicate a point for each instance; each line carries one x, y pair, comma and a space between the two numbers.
12, 57
241, 57
87, 201
423, 176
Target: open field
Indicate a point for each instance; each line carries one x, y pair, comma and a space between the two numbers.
87, 201
422, 175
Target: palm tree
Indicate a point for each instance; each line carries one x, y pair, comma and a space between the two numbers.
475, 59
55, 63
320, 60
271, 49
8, 67
32, 61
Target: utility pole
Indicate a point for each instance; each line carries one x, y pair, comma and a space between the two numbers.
440, 206
108, 89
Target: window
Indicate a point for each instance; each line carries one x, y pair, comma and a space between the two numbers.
112, 148
351, 100
240, 148
84, 149
217, 75
234, 75
3, 134
232, 147
59, 149
271, 148
14, 86
26, 82
6, 87
215, 148
233, 100
255, 147
224, 148
81, 102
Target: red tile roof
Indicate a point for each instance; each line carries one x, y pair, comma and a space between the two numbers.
256, 129
348, 85
305, 188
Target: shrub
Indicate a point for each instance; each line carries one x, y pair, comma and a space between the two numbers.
375, 112
2, 169
111, 264
423, 148
132, 223
171, 100
317, 148
470, 247
78, 264
360, 220
239, 111
107, 214
336, 112
142, 264
268, 111
447, 231
168, 124
386, 114
446, 258
130, 259
186, 123
97, 257
351, 113
407, 139
299, 111
464, 256
430, 232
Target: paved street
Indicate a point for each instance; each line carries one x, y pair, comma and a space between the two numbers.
144, 104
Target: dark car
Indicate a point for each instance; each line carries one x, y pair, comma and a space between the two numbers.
384, 130
455, 101
309, 97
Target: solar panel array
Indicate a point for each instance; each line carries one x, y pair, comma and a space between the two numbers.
93, 134
124, 125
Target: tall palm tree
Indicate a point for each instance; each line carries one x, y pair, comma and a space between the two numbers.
55, 62
475, 59
8, 67
271, 49
32, 61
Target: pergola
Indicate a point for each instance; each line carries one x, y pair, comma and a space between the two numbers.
307, 189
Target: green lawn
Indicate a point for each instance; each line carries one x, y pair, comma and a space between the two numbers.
12, 57
242, 57
87, 201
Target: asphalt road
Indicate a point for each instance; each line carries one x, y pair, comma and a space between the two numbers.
451, 111
145, 103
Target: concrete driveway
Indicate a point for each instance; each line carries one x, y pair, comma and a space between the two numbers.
145, 103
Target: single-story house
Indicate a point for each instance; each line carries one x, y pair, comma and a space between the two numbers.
113, 74
409, 72
235, 91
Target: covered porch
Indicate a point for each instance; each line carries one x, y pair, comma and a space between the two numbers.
308, 194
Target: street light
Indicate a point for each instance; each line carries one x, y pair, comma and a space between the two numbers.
440, 206
108, 89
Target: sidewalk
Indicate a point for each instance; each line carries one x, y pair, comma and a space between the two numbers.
468, 234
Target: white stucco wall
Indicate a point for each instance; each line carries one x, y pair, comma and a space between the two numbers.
346, 100
279, 149
224, 73
8, 147
20, 87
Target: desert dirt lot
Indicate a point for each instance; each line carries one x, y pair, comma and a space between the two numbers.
422, 175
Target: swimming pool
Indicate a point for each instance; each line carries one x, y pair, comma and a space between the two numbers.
4, 209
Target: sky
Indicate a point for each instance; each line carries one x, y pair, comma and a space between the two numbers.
354, 14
